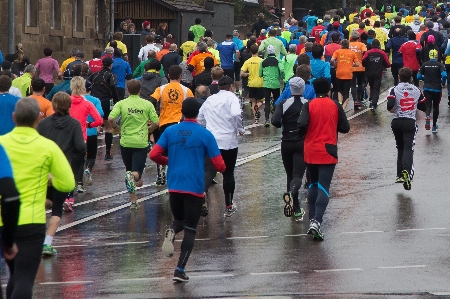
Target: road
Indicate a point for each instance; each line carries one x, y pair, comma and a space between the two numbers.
380, 240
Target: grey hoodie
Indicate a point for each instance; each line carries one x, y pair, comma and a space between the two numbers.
149, 82
65, 131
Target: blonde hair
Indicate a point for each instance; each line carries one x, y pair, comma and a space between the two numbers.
61, 103
20, 55
77, 85
217, 73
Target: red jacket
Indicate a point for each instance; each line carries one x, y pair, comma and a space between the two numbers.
80, 110
322, 119
260, 39
316, 31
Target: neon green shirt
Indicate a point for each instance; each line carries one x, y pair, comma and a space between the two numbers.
288, 65
135, 112
23, 83
32, 158
198, 31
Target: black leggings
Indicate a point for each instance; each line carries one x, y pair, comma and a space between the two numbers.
267, 93
405, 138
23, 268
78, 166
92, 147
295, 166
318, 193
433, 100
358, 92
186, 209
395, 68
57, 199
375, 86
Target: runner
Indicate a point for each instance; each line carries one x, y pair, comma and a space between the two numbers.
319, 121
394, 44
434, 76
358, 81
403, 100
221, 114
410, 52
37, 92
251, 69
32, 158
7, 105
138, 119
229, 52
186, 144
66, 132
286, 116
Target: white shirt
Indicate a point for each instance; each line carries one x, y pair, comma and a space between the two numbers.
221, 114
143, 52
15, 91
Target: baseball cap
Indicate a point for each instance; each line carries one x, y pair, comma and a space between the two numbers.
336, 24
297, 86
263, 31
158, 39
286, 26
225, 80
319, 21
107, 61
166, 45
79, 54
271, 50
433, 54
146, 23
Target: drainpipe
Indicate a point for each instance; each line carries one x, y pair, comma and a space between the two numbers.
112, 19
180, 33
11, 28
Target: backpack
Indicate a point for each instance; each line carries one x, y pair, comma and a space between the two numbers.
95, 65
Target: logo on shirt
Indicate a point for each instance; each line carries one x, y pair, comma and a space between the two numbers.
184, 132
375, 59
135, 111
173, 95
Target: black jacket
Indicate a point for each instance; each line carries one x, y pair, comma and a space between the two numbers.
104, 85
286, 116
169, 59
204, 78
375, 60
258, 26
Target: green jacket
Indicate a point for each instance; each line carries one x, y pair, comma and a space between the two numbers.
139, 71
23, 83
271, 70
288, 65
276, 43
198, 31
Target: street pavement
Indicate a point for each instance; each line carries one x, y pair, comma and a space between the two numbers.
380, 240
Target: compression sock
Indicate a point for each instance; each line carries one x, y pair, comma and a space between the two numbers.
108, 142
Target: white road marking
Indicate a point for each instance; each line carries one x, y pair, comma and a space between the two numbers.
139, 279
403, 267
63, 246
242, 238
299, 235
441, 293
365, 232
211, 276
339, 270
124, 243
207, 239
420, 229
66, 282
275, 273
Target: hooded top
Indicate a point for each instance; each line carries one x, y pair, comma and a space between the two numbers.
149, 82
80, 110
65, 131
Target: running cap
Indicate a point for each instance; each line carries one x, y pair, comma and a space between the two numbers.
430, 39
270, 50
146, 24
225, 80
319, 21
336, 24
297, 86
416, 18
433, 54
263, 31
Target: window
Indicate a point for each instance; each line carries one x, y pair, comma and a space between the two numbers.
78, 23
100, 16
55, 21
32, 12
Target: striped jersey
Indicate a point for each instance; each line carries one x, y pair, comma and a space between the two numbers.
406, 97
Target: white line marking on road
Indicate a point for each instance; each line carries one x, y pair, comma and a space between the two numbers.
339, 270
139, 279
124, 243
420, 229
207, 239
100, 146
403, 267
441, 293
299, 235
66, 282
63, 246
365, 232
211, 276
257, 155
275, 273
242, 238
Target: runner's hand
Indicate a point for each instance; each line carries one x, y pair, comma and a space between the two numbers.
10, 253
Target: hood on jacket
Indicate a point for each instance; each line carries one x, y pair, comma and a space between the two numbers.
150, 76
61, 121
77, 99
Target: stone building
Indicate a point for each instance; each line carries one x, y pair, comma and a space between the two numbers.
57, 24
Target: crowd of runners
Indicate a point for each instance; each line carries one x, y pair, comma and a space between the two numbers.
182, 107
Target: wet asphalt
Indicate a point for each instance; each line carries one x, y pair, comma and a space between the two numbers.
380, 240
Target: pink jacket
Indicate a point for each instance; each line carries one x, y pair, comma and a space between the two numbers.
80, 110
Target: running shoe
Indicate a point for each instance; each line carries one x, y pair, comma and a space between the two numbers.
108, 157
298, 216
167, 247
87, 177
257, 113
80, 188
158, 181
205, 210
427, 123
406, 180
267, 124
48, 250
230, 211
434, 129
272, 106
357, 105
314, 230
180, 276
129, 182
134, 206
68, 204
288, 210
372, 108
399, 179
163, 175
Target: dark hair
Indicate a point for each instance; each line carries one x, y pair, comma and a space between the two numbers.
376, 43
113, 44
175, 72
321, 86
411, 35
97, 53
335, 37
37, 84
5, 83
208, 63
76, 70
317, 51
61, 103
133, 87
228, 36
198, 21
272, 32
154, 64
208, 33
303, 71
405, 74
190, 107
48, 52
303, 59
117, 53
254, 49
191, 35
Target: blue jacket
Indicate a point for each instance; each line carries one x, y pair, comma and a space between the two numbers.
238, 42
394, 44
308, 94
64, 86
320, 68
121, 69
98, 106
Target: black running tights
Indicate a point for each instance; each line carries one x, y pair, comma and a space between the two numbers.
375, 86
186, 209
295, 166
23, 268
405, 138
267, 93
318, 192
433, 101
91, 145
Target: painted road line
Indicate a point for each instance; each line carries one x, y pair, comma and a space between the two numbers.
63, 246
66, 282
207, 239
420, 229
124, 243
365, 232
211, 276
403, 267
258, 155
275, 273
299, 235
368, 109
440, 293
243, 238
338, 270
140, 279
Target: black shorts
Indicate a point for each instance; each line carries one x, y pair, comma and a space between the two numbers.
344, 87
237, 71
106, 107
229, 73
120, 93
134, 158
256, 93
57, 199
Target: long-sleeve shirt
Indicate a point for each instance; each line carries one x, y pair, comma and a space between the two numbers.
81, 109
433, 75
276, 43
104, 85
405, 98
98, 105
221, 114
46, 67
286, 116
